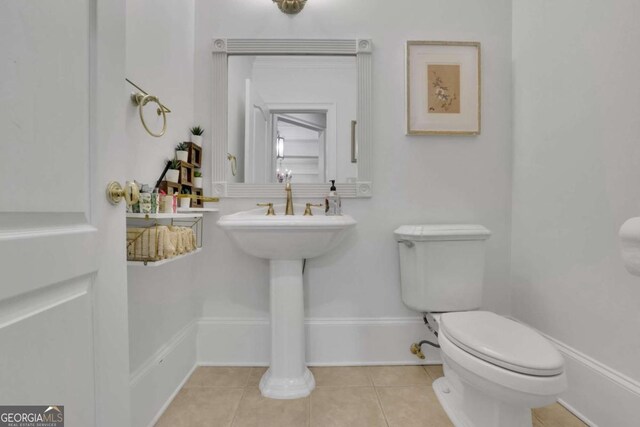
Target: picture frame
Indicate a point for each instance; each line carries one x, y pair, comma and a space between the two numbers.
443, 88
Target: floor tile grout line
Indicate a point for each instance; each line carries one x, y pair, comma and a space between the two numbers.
370, 376
215, 387
235, 412
540, 422
344, 386
420, 386
244, 391
538, 418
384, 415
429, 373
424, 368
309, 409
246, 384
368, 371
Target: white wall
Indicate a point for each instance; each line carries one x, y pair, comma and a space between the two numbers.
576, 175
416, 179
160, 60
161, 300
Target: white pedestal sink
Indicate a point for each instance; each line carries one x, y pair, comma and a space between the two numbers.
286, 241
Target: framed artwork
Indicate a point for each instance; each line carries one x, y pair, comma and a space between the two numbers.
443, 88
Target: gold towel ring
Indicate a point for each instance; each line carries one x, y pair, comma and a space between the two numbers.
143, 100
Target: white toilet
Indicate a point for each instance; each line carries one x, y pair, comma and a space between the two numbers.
495, 369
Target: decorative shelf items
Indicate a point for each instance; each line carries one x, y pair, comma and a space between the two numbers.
188, 179
196, 135
186, 174
156, 232
195, 154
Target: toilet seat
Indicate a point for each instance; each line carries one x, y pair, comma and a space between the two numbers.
466, 374
502, 342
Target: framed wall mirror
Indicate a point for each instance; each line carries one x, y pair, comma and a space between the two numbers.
291, 105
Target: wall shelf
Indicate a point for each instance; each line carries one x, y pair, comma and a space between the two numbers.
197, 210
162, 261
156, 239
142, 227
179, 215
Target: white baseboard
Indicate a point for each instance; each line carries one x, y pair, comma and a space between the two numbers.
154, 384
598, 394
330, 342
246, 342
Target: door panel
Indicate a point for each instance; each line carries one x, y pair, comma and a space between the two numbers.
63, 338
46, 359
33, 260
48, 249
44, 105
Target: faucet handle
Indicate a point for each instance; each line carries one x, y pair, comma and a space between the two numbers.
307, 210
270, 210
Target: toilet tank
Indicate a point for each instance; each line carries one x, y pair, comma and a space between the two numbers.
442, 266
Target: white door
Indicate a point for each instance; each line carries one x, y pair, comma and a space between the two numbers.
63, 295
257, 147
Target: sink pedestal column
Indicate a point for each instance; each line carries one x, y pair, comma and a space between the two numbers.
288, 376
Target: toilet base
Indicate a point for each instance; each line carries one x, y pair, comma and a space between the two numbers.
446, 399
467, 407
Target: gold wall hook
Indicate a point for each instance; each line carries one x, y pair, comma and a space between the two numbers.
144, 99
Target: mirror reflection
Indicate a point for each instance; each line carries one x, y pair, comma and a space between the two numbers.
292, 113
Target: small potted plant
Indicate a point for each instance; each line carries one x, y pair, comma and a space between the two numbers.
197, 178
185, 202
196, 135
182, 152
173, 173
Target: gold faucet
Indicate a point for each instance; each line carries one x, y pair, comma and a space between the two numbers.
289, 208
270, 211
308, 211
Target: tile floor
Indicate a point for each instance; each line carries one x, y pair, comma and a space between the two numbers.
393, 396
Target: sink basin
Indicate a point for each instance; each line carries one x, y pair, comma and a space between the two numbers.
286, 241
285, 237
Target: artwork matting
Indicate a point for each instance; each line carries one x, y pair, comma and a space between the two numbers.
443, 88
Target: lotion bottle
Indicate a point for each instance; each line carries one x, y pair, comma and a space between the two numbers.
332, 203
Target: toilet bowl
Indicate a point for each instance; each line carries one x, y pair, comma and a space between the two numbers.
495, 369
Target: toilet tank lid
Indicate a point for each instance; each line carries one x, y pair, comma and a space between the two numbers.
442, 232
502, 342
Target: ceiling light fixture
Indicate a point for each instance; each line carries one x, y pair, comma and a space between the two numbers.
290, 7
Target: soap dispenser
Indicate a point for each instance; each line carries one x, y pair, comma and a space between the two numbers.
332, 203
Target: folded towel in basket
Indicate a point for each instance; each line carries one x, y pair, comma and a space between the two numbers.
159, 242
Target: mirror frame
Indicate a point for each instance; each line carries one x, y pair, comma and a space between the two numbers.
223, 48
